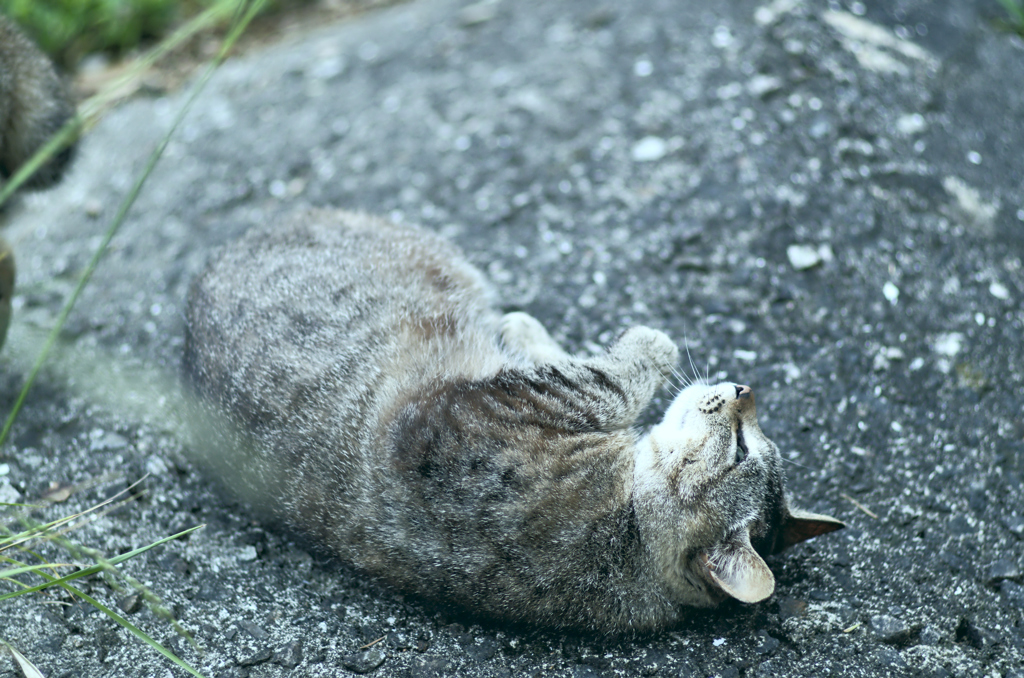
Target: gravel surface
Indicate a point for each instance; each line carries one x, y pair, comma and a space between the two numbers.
825, 200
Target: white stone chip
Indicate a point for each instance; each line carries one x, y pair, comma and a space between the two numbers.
891, 293
948, 344
745, 356
802, 257
649, 149
910, 124
9, 495
999, 290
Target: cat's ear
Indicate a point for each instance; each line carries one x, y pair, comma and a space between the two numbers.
803, 525
737, 569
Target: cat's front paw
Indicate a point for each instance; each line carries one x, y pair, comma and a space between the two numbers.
653, 346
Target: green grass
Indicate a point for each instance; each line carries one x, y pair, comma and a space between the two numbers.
1015, 12
30, 563
70, 29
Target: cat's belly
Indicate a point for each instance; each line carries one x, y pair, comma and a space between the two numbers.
305, 336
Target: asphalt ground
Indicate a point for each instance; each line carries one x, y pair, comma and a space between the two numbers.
822, 200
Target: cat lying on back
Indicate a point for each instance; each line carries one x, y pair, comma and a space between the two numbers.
389, 411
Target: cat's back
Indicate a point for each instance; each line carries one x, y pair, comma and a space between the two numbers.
334, 300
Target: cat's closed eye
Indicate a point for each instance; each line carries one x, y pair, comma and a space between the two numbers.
741, 445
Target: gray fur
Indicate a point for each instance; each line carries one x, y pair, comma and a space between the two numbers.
383, 406
34, 105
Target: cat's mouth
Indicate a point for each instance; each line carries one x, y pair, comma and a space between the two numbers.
742, 451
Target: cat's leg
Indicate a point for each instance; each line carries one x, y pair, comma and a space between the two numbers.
632, 369
523, 335
604, 393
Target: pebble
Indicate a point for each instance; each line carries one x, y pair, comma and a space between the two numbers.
1013, 593
929, 636
911, 124
258, 657
1002, 569
803, 257
649, 149
889, 629
767, 644
254, 630
365, 661
761, 84
1015, 524
948, 344
483, 650
399, 640
9, 495
290, 655
131, 603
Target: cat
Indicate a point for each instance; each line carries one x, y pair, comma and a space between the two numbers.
34, 105
378, 402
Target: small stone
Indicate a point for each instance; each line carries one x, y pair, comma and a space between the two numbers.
1013, 593
649, 149
482, 651
365, 661
890, 629
1002, 569
254, 630
9, 495
766, 643
948, 344
999, 290
929, 636
1015, 524
399, 641
258, 657
803, 257
911, 124
891, 293
131, 603
761, 84
290, 655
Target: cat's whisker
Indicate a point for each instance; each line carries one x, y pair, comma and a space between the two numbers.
689, 357
796, 463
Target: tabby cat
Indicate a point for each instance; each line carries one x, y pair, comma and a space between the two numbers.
375, 399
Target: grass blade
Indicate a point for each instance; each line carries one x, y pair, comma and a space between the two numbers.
246, 12
95, 569
7, 574
1016, 11
27, 667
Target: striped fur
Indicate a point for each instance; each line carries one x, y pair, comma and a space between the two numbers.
376, 400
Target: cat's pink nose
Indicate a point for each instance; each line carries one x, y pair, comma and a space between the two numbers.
743, 391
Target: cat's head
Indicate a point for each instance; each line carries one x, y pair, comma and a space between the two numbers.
710, 487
